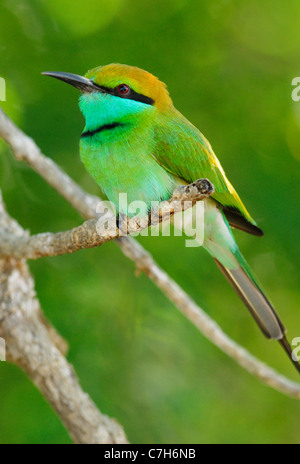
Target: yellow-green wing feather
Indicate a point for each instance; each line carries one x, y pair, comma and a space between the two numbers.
186, 153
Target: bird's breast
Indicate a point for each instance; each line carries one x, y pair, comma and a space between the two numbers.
125, 166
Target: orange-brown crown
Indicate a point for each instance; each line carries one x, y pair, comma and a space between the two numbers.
141, 81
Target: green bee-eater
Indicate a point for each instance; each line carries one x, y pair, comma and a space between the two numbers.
136, 142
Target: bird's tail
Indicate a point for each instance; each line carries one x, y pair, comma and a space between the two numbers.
250, 292
221, 245
248, 289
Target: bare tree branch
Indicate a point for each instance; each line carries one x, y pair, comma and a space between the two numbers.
25, 149
94, 233
34, 345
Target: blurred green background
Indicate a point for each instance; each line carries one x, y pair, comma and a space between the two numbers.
229, 66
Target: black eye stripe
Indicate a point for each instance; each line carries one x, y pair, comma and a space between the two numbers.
140, 97
133, 95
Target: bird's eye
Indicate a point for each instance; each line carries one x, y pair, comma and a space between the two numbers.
123, 90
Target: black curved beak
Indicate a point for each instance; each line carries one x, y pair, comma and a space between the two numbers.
81, 83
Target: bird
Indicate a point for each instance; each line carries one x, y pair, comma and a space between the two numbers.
136, 142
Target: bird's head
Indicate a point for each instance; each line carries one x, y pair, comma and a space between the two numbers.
117, 93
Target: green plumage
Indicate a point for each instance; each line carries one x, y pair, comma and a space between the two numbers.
184, 151
136, 142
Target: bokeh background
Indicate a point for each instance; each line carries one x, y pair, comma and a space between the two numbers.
229, 66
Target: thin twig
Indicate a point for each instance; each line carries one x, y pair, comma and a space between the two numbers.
206, 325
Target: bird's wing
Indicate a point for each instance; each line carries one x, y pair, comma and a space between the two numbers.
182, 150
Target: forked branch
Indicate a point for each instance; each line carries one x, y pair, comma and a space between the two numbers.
25, 149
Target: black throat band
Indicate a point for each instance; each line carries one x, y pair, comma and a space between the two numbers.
102, 128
